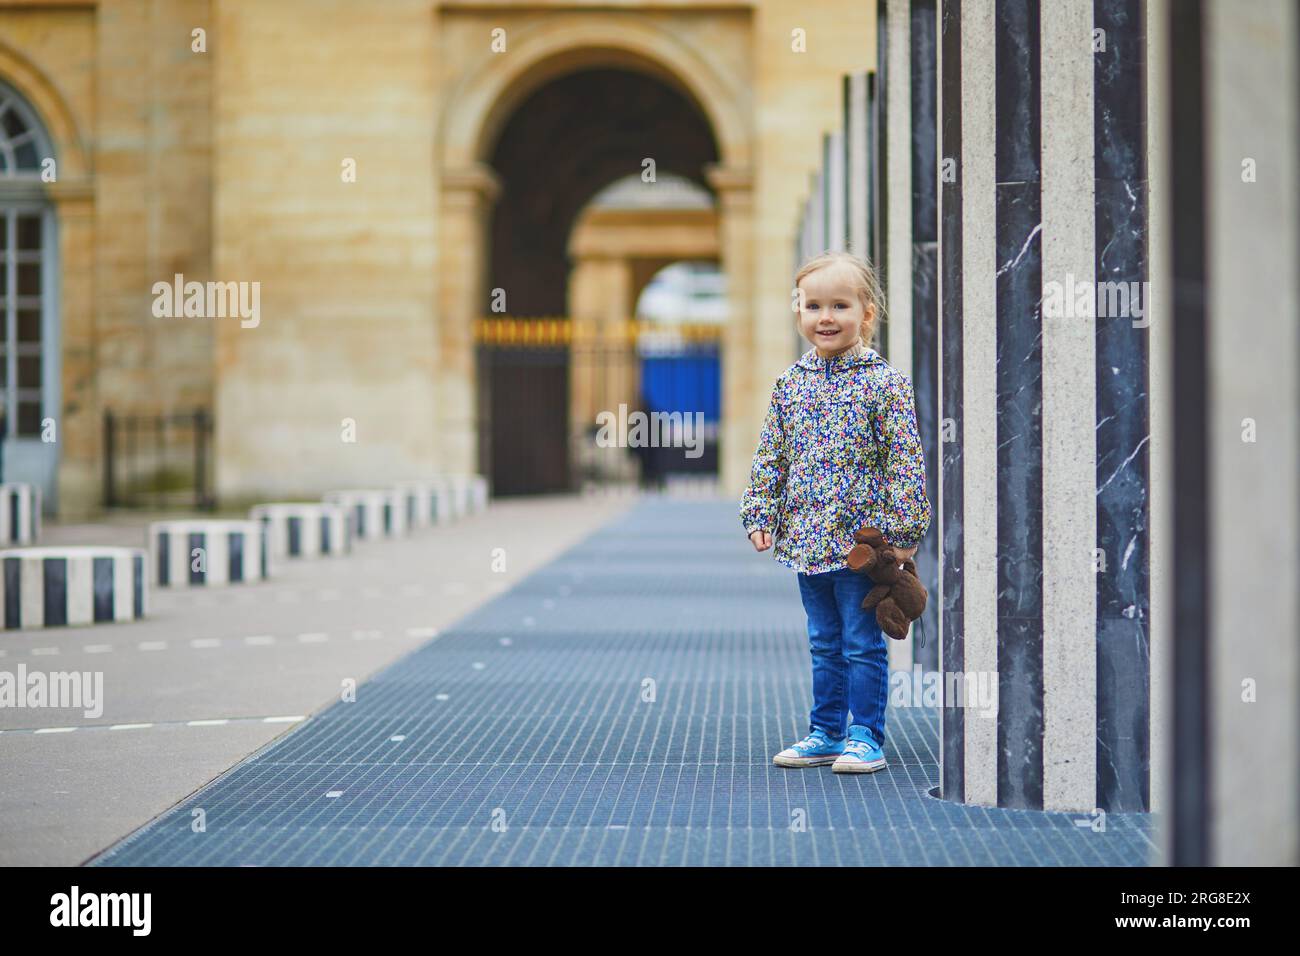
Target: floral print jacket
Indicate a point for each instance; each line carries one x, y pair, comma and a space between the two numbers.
839, 450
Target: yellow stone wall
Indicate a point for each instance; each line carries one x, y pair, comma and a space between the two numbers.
49, 56
800, 99
228, 165
346, 269
129, 108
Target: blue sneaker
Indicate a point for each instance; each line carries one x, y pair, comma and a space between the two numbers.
861, 755
813, 751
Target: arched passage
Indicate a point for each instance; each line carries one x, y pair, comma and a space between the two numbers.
564, 142
527, 140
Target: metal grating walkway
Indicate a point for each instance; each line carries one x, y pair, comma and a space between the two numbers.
521, 737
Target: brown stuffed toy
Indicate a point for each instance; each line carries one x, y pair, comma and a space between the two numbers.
899, 596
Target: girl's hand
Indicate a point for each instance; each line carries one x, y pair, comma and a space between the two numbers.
761, 540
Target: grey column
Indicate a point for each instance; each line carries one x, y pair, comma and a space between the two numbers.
908, 228
1230, 214
1043, 404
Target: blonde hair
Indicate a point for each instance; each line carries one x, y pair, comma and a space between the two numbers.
868, 285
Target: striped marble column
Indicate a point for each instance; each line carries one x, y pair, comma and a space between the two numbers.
908, 224
1043, 401
1225, 110
374, 512
61, 586
303, 529
20, 512
200, 553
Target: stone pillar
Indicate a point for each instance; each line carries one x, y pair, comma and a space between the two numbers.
603, 368
467, 197
1227, 212
1044, 486
80, 475
744, 401
909, 224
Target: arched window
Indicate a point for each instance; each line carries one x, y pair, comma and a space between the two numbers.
23, 143
29, 355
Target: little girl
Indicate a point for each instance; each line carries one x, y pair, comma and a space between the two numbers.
839, 450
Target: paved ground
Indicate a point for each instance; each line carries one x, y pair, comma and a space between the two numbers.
620, 705
212, 676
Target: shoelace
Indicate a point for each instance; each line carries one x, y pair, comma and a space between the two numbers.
858, 748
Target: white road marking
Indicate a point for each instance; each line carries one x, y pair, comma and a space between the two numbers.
259, 640
206, 642
413, 590
219, 722
313, 637
152, 645
328, 594
334, 793
421, 632
479, 665
97, 648
506, 642
44, 651
441, 697
367, 635
397, 738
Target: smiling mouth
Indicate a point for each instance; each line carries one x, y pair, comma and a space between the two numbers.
828, 332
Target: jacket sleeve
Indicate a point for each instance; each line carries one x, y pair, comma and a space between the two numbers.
907, 509
761, 503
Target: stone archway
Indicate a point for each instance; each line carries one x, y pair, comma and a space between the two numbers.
482, 99
617, 245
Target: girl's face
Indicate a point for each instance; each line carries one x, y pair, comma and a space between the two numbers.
830, 310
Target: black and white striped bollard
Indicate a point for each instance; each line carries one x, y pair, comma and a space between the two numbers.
72, 585
304, 529
373, 512
203, 552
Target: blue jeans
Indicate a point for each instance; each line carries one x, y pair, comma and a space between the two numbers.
850, 660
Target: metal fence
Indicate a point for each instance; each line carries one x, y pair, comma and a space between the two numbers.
558, 402
158, 461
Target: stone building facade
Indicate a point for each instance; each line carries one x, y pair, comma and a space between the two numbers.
346, 159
